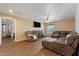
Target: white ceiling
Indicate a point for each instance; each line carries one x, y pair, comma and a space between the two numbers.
39, 11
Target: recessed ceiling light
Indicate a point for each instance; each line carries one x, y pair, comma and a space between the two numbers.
10, 10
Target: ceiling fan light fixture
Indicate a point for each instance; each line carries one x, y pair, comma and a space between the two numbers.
47, 21
10, 10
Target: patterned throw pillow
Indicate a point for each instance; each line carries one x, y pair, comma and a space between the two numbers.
67, 37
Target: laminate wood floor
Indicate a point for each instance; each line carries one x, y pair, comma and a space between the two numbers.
24, 48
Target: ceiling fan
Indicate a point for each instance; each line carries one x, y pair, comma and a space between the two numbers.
47, 19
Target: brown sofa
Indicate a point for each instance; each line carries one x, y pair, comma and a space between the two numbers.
64, 45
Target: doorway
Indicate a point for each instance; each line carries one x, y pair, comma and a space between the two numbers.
8, 31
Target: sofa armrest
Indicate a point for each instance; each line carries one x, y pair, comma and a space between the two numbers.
64, 49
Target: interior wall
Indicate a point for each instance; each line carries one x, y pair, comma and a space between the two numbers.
63, 25
66, 25
22, 25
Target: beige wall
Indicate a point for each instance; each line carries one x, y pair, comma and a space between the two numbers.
22, 25
63, 25
68, 25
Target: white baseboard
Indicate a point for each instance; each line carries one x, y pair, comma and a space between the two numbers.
20, 40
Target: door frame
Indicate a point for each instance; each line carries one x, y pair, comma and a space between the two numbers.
9, 18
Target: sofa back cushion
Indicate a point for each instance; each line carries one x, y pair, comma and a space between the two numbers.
55, 34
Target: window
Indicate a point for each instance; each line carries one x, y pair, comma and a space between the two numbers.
50, 29
3, 27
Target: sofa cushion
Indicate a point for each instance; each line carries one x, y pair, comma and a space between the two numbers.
55, 35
